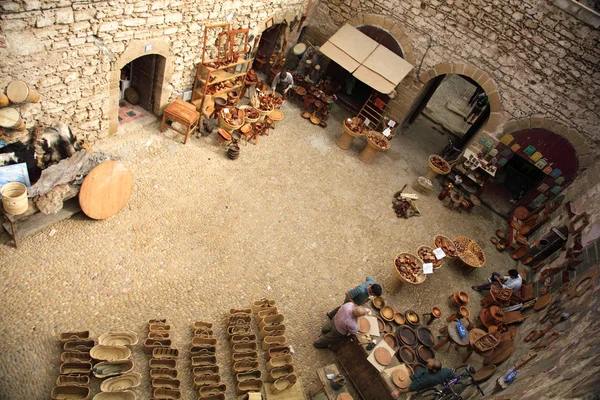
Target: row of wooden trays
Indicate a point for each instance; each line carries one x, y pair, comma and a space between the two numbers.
205, 371
163, 363
108, 359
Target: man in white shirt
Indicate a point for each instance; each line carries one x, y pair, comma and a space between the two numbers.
282, 83
513, 281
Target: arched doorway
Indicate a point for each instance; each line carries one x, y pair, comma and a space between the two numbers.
153, 62
456, 102
354, 92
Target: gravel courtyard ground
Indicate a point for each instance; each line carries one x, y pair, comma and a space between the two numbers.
295, 219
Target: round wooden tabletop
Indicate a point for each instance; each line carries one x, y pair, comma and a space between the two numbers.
106, 190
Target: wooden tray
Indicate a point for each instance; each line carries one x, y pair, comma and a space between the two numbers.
106, 190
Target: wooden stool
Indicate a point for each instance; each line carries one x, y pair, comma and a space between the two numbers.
184, 113
453, 338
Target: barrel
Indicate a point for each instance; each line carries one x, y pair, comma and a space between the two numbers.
14, 198
19, 92
10, 118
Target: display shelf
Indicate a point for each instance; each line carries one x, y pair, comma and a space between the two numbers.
222, 76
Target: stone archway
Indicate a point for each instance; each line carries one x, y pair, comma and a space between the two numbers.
390, 26
412, 91
571, 135
135, 49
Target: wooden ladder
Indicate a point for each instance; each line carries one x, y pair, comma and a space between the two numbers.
373, 110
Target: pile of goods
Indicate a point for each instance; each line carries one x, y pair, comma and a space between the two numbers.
378, 140
277, 101
218, 64
356, 125
263, 102
409, 267
233, 116
440, 164
425, 253
251, 77
205, 371
445, 244
404, 207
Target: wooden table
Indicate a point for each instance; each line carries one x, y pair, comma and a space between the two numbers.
327, 389
368, 381
184, 113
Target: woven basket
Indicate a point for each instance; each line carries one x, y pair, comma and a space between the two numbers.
350, 131
244, 366
70, 392
436, 169
79, 345
204, 380
380, 136
166, 383
167, 394
124, 395
203, 350
437, 243
162, 363
162, 353
206, 370
72, 380
276, 115
261, 304
111, 368
199, 361
163, 373
67, 336
437, 264
123, 382
244, 347
110, 353
118, 339
421, 277
251, 356
75, 356
247, 119
226, 124
77, 368
211, 390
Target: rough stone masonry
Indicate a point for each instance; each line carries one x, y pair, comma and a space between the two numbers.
66, 50
544, 60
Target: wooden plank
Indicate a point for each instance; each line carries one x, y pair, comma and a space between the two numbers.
39, 221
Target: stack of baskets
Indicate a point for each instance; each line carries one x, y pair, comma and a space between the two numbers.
205, 372
280, 363
75, 368
163, 364
244, 356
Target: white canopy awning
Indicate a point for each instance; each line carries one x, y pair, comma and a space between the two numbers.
366, 59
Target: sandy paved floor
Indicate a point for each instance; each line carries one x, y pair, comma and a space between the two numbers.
295, 218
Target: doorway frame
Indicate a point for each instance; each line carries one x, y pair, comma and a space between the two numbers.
164, 72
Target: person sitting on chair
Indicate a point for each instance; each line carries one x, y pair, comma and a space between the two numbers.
427, 378
513, 281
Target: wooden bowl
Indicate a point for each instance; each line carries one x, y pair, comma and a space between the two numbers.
387, 313
306, 115
391, 340
412, 318
407, 355
425, 353
406, 335
378, 302
501, 234
399, 318
436, 312
110, 353
425, 337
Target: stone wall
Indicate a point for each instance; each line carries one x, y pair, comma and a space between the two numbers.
543, 60
66, 50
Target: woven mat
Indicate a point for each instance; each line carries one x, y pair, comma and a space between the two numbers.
296, 392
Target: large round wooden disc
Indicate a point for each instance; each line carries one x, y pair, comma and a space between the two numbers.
383, 356
484, 373
106, 190
9, 116
363, 325
401, 378
17, 91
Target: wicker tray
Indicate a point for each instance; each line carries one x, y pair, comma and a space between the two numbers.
420, 276
473, 254
437, 242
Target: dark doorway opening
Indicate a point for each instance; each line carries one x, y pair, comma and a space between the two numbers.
511, 183
355, 93
270, 42
141, 74
439, 117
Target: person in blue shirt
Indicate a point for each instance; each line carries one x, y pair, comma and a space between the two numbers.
427, 378
360, 294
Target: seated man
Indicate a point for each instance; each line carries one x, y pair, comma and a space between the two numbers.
427, 378
282, 83
513, 281
360, 294
343, 324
